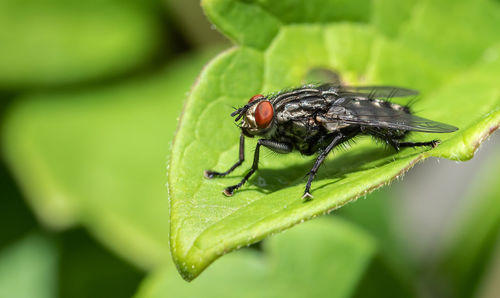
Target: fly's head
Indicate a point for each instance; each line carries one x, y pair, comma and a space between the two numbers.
256, 116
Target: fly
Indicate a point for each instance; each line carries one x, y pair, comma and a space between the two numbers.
317, 118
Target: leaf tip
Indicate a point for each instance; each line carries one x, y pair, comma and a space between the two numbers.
187, 271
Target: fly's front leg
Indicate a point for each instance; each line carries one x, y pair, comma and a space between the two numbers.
211, 174
337, 140
274, 146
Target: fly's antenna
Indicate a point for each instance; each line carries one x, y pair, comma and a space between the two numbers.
241, 111
238, 113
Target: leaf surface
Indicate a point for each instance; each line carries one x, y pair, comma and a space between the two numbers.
278, 53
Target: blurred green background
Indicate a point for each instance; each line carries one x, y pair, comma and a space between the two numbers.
90, 95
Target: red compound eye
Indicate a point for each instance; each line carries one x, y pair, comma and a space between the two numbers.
257, 96
264, 114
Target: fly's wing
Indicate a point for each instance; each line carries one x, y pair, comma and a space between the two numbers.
368, 92
382, 114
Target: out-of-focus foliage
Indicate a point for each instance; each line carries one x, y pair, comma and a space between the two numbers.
57, 42
375, 215
28, 268
474, 240
98, 156
323, 258
90, 148
278, 44
15, 216
192, 23
87, 270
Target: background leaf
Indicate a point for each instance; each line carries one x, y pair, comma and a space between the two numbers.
323, 258
86, 269
375, 215
14, 214
97, 157
471, 247
28, 268
58, 42
205, 224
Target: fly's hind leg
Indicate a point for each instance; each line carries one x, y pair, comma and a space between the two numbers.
395, 140
337, 140
274, 146
398, 144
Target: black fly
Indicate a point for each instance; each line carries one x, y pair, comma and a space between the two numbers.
317, 118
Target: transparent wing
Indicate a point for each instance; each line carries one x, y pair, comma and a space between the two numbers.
368, 92
377, 114
402, 122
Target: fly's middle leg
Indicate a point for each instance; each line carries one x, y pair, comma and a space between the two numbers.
273, 145
211, 174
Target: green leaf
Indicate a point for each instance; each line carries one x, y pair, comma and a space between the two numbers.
28, 268
87, 269
454, 39
323, 258
386, 20
193, 24
375, 215
237, 17
97, 157
472, 243
14, 213
255, 23
59, 41
205, 224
